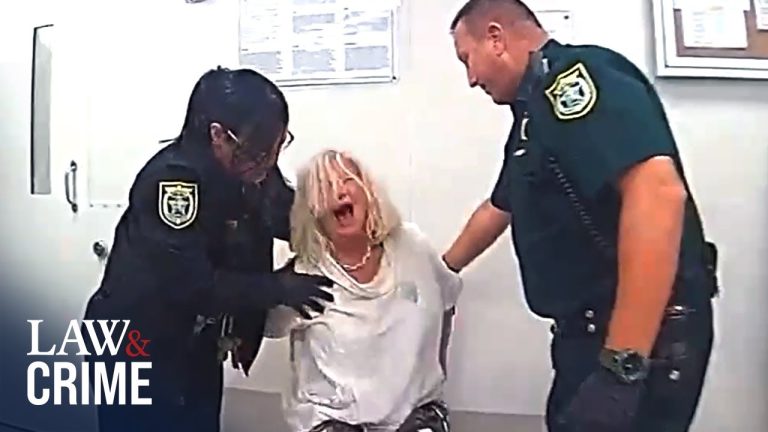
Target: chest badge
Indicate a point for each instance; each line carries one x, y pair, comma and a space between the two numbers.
177, 203
573, 94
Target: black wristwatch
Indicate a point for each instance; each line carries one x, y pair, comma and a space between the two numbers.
629, 366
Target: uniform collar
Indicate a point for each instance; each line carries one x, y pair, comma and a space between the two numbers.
537, 69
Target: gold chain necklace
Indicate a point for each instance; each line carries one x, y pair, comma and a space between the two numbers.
354, 267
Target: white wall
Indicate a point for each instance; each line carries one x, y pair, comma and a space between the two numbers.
436, 144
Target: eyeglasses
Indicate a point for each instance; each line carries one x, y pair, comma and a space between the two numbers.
287, 142
262, 159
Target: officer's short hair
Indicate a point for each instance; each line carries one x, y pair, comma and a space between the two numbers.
313, 189
505, 11
243, 101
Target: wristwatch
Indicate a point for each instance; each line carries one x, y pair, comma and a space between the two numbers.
629, 366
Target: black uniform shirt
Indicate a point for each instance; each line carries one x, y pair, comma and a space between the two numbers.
186, 221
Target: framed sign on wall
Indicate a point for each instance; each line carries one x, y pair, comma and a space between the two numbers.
711, 38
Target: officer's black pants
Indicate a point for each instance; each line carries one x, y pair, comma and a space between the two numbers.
163, 416
186, 396
673, 388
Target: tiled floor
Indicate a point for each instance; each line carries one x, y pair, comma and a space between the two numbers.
250, 411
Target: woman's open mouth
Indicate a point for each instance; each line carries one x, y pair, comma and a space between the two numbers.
344, 213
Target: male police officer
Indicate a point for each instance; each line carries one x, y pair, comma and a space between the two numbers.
608, 238
195, 245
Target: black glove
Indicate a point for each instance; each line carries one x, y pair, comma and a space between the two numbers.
603, 404
302, 290
237, 291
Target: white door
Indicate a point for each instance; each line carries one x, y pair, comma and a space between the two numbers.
120, 76
47, 267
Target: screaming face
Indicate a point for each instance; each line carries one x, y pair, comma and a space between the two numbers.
346, 200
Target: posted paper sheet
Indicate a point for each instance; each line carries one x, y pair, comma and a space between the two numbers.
714, 24
318, 40
761, 14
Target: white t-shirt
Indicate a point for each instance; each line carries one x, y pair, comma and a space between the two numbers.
373, 356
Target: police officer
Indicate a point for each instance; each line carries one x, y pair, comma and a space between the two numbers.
191, 265
608, 238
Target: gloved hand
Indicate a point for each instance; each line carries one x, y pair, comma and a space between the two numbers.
267, 290
603, 404
300, 291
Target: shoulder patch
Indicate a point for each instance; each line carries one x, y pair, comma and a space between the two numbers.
177, 203
573, 94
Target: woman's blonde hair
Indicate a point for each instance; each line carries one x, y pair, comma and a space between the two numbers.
314, 190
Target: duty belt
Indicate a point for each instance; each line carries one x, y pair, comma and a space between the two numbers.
594, 321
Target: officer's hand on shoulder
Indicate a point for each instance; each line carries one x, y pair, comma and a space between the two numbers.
301, 291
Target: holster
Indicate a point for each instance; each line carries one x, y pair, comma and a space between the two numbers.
680, 360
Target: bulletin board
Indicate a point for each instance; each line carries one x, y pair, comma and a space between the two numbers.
711, 38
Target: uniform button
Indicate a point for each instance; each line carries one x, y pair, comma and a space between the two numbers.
591, 328
553, 328
589, 313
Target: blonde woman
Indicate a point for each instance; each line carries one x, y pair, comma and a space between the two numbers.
373, 360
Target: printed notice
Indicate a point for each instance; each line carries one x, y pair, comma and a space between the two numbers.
745, 5
316, 41
715, 26
761, 14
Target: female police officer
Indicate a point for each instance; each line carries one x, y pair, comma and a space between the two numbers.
195, 243
609, 240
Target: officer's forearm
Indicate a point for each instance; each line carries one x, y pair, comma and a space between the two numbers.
650, 228
234, 291
485, 225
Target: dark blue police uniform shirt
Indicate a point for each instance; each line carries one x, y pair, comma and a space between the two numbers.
594, 113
